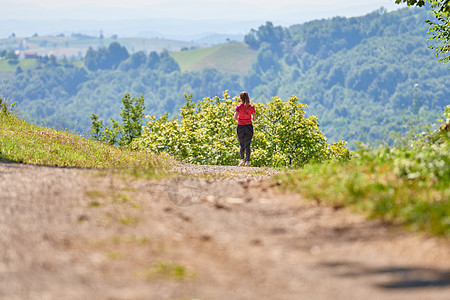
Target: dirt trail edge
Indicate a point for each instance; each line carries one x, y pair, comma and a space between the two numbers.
80, 234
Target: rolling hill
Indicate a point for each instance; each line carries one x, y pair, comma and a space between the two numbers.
232, 57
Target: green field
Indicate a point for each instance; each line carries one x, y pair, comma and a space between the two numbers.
25, 64
230, 58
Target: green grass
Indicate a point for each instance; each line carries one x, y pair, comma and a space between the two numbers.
399, 185
23, 142
230, 58
78, 62
187, 59
168, 270
25, 64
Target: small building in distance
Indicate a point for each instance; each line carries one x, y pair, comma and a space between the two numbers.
30, 54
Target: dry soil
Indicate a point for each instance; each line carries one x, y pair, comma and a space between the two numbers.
84, 234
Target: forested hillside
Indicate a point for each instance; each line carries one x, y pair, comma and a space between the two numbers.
363, 77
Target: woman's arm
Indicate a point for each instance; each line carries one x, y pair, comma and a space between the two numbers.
254, 116
236, 115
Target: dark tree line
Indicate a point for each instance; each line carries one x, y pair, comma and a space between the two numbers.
105, 58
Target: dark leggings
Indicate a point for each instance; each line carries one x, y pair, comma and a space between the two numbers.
245, 134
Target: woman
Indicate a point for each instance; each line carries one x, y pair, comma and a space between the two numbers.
244, 114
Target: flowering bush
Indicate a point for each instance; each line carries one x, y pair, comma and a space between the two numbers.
205, 133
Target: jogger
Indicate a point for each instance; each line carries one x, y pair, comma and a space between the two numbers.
245, 113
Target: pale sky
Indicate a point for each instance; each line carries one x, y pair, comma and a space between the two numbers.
143, 3
170, 18
187, 9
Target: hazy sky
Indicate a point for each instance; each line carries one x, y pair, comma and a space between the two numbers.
277, 10
178, 19
143, 3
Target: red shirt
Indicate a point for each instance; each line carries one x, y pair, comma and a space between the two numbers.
245, 114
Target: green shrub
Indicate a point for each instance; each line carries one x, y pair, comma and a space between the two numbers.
205, 133
124, 133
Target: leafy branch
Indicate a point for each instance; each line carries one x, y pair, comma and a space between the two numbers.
440, 28
125, 132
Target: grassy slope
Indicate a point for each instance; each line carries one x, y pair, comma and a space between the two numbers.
230, 58
25, 64
408, 186
26, 143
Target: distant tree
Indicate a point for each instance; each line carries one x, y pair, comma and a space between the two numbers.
251, 39
66, 62
276, 37
166, 63
138, 59
19, 70
43, 60
105, 58
267, 60
90, 60
153, 60
73, 78
35, 35
117, 54
441, 27
104, 61
252, 80
82, 36
53, 61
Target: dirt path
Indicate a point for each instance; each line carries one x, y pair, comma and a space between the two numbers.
79, 234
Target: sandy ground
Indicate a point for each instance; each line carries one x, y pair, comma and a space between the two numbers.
82, 234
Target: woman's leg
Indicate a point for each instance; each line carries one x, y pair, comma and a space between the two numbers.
247, 141
241, 136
